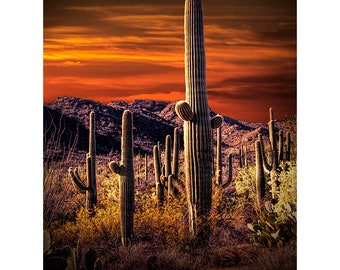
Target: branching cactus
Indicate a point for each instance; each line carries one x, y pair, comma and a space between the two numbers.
126, 179
273, 168
260, 177
198, 147
88, 187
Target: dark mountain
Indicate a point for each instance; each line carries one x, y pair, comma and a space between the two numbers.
153, 120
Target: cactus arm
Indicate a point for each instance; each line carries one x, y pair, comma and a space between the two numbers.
230, 172
184, 111
266, 165
76, 181
115, 167
216, 121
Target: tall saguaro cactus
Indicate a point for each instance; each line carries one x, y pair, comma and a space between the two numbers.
198, 148
90, 186
126, 179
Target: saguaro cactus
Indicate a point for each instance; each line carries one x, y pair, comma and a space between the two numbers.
175, 154
146, 168
159, 184
288, 146
218, 173
260, 177
89, 188
194, 111
281, 147
126, 179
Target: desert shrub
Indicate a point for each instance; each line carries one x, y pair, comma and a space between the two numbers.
167, 224
276, 223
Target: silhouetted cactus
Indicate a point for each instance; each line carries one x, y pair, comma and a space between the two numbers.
90, 187
175, 154
260, 177
218, 173
195, 112
288, 146
159, 184
126, 179
230, 171
281, 147
146, 167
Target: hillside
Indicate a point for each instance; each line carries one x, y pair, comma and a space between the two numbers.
153, 120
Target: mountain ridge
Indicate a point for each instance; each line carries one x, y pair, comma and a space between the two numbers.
153, 120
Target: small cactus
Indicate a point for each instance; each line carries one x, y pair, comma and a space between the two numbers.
126, 179
89, 188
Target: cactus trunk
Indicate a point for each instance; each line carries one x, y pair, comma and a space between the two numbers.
92, 194
288, 145
88, 187
126, 179
260, 177
175, 154
159, 186
219, 156
197, 132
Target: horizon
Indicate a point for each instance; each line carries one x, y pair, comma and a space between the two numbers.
134, 100
131, 50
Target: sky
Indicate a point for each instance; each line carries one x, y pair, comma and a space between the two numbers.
126, 50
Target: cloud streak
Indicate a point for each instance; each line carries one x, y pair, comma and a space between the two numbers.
136, 49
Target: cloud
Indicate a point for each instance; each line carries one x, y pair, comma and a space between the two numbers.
136, 48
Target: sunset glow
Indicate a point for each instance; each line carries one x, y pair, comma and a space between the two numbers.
126, 50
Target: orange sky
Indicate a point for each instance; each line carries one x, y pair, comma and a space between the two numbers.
126, 50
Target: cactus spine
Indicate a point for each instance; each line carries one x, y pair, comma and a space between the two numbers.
89, 188
194, 111
126, 179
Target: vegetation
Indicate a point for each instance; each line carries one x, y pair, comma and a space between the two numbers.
242, 235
